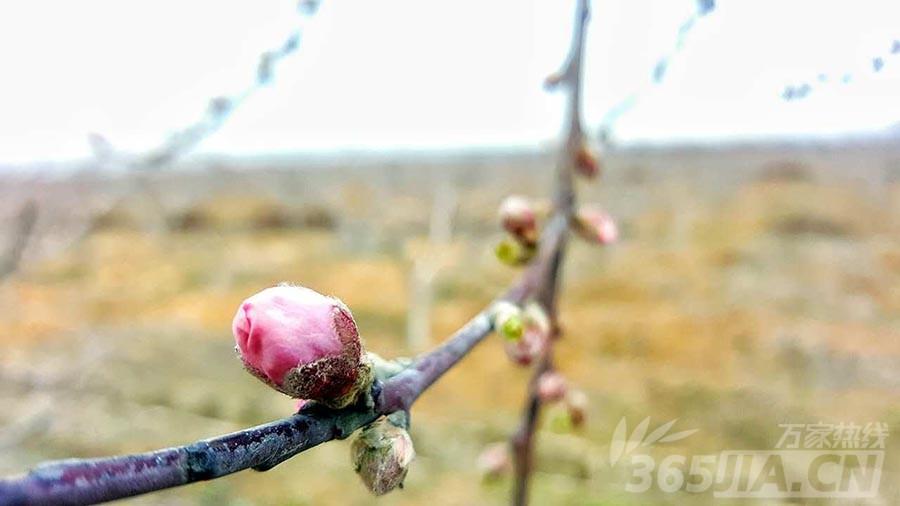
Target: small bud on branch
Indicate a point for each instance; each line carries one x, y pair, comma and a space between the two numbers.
552, 81
534, 337
381, 455
518, 217
509, 321
551, 387
494, 462
586, 163
514, 253
576, 406
595, 225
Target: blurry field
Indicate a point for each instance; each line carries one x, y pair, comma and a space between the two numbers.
731, 304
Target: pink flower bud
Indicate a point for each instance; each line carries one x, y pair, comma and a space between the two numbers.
518, 217
551, 387
494, 461
576, 406
596, 226
525, 350
303, 344
534, 337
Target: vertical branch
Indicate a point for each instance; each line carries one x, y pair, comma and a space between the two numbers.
25, 221
547, 296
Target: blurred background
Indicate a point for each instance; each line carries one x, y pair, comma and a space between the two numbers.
161, 161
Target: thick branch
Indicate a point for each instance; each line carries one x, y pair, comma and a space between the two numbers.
97, 480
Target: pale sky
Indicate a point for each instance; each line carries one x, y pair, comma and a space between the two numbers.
417, 74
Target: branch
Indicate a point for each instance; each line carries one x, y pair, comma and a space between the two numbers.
804, 89
660, 69
88, 481
181, 142
218, 109
570, 78
25, 221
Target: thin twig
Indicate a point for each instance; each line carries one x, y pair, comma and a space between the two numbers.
570, 77
607, 125
217, 111
185, 140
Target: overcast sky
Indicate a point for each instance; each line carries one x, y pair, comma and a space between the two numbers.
431, 74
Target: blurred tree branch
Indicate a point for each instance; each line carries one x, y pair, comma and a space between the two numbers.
22, 231
569, 77
183, 141
218, 110
606, 130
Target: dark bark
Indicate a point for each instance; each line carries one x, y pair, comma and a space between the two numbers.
522, 441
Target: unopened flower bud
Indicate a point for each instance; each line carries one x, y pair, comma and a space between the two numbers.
576, 407
534, 337
537, 320
494, 462
525, 350
381, 455
552, 81
595, 225
303, 344
509, 321
586, 162
514, 253
551, 387
518, 217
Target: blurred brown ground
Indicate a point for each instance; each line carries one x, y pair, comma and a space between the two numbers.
738, 298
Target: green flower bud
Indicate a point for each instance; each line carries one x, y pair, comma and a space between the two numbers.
508, 321
514, 253
381, 455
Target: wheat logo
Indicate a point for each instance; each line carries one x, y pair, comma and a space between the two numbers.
623, 445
